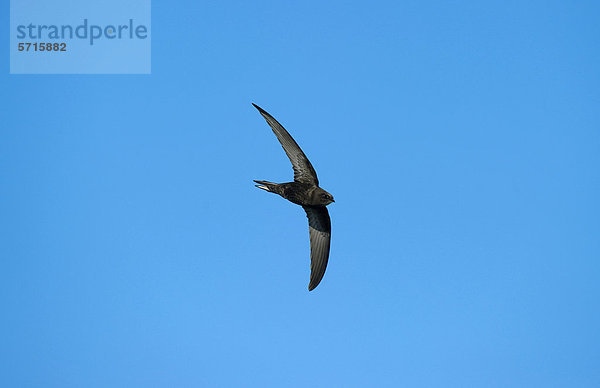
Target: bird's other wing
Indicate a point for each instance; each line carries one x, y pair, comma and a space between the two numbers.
319, 226
303, 170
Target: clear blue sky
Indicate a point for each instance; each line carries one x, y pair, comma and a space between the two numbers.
461, 141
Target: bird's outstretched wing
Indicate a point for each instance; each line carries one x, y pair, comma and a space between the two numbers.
303, 170
319, 226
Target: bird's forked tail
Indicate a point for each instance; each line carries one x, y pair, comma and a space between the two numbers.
268, 186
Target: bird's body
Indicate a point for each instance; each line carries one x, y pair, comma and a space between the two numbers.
299, 193
304, 191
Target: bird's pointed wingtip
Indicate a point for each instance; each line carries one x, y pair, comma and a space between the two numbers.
258, 107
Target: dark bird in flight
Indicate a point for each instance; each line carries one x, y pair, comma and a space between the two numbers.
304, 191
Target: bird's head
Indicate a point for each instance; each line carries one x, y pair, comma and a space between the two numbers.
324, 198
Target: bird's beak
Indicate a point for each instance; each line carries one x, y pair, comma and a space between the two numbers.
332, 200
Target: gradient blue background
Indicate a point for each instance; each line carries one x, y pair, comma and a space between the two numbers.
460, 140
